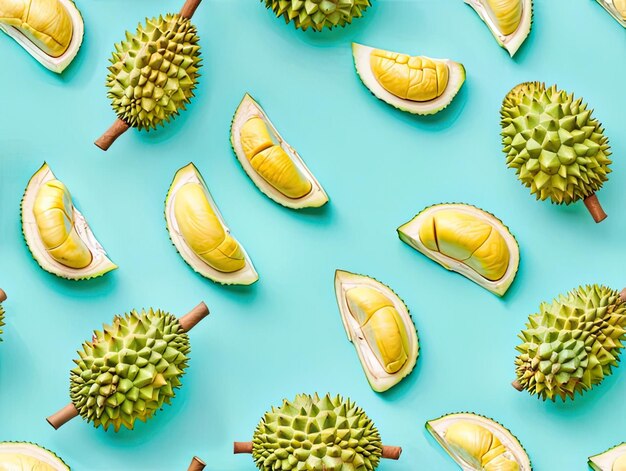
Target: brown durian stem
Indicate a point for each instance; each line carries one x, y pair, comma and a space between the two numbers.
392, 452
189, 8
595, 208
196, 464
622, 295
189, 320
63, 416
242, 447
3, 296
118, 128
517, 385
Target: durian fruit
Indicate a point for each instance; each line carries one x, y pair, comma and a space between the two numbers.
3, 298
416, 84
572, 343
57, 234
317, 434
50, 30
556, 147
22, 456
196, 464
617, 9
508, 20
467, 240
270, 162
199, 233
379, 325
613, 459
130, 369
318, 14
477, 443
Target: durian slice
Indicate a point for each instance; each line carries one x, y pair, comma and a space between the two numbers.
280, 174
241, 271
470, 241
316, 14
616, 8
469, 439
386, 341
50, 30
80, 235
28, 456
508, 20
391, 77
613, 459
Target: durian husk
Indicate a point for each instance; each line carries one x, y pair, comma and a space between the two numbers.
35, 451
609, 6
604, 461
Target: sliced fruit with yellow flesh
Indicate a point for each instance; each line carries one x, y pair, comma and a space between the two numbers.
477, 443
379, 325
616, 8
18, 456
272, 164
199, 233
467, 240
416, 84
57, 234
613, 459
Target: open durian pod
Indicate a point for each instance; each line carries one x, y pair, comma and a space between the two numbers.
616, 8
613, 459
196, 464
3, 298
22, 456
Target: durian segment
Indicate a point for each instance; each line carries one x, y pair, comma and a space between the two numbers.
199, 232
50, 30
21, 456
613, 459
379, 325
416, 84
616, 8
508, 20
467, 240
276, 168
477, 443
42, 185
572, 343
318, 14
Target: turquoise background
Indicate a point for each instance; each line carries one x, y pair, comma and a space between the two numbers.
379, 166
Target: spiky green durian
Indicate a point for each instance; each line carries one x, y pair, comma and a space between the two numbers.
129, 369
572, 343
318, 14
154, 71
23, 456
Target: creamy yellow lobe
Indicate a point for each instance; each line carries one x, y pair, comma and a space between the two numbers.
619, 464
19, 462
507, 14
620, 6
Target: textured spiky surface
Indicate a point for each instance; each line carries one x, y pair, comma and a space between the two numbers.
318, 14
572, 343
154, 71
130, 369
557, 148
316, 434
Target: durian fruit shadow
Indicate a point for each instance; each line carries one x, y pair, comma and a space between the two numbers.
196, 464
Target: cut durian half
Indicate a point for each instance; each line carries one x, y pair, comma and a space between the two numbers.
616, 8
512, 38
237, 267
25, 456
467, 240
279, 171
386, 73
80, 233
613, 459
380, 327
27, 35
453, 431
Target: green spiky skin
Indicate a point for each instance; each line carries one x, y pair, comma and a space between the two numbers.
316, 434
572, 343
154, 72
556, 147
318, 14
130, 369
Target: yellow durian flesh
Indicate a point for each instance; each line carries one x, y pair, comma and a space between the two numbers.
271, 161
620, 6
47, 23
620, 463
468, 239
20, 462
54, 215
381, 325
203, 231
412, 78
507, 14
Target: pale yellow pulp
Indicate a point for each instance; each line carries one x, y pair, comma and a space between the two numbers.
507, 14
19, 462
468, 239
619, 464
381, 325
479, 447
203, 231
410, 78
47, 23
54, 215
620, 6
271, 161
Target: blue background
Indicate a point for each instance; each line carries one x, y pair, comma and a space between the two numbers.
379, 166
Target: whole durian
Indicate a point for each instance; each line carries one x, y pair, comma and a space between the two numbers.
3, 297
556, 147
318, 14
572, 343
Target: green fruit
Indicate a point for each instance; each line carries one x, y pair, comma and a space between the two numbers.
613, 459
154, 71
572, 343
318, 14
21, 456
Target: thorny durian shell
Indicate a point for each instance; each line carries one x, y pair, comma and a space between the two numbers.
318, 14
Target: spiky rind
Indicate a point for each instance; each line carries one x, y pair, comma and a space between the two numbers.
556, 147
318, 14
62, 465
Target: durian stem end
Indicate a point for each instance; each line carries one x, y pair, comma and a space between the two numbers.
622, 296
189, 8
595, 208
118, 128
392, 452
189, 320
517, 385
63, 416
242, 447
3, 296
196, 464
